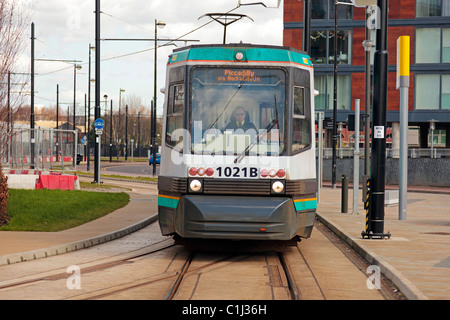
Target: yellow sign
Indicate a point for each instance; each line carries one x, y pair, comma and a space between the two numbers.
403, 61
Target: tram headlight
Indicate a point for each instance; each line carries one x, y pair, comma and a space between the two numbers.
272, 173
201, 172
278, 187
195, 185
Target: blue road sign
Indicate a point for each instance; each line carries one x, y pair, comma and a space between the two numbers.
99, 124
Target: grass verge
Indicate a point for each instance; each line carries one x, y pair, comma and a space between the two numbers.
56, 210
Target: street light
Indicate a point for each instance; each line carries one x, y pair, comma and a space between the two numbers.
75, 68
120, 102
158, 24
106, 108
91, 48
432, 128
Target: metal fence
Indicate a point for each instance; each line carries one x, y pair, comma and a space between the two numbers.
390, 153
40, 149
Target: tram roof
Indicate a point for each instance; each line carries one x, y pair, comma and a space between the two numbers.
250, 53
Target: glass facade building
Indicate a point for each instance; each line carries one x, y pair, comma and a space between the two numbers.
427, 22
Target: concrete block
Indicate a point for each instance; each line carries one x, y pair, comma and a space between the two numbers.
391, 197
22, 181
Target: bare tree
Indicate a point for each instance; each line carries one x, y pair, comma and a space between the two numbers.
13, 15
12, 36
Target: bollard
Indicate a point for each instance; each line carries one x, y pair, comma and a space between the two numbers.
344, 200
364, 179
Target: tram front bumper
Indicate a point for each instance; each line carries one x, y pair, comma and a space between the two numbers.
239, 218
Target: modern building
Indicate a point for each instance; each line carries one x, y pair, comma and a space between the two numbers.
426, 22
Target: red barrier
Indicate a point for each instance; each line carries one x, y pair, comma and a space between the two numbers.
56, 182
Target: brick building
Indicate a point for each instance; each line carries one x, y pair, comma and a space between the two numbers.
427, 22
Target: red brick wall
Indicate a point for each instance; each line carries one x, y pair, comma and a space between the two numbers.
398, 9
293, 11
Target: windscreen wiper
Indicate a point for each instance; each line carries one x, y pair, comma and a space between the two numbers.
256, 139
228, 103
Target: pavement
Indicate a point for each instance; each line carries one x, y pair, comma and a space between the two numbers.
416, 258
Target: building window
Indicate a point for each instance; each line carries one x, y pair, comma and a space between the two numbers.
324, 9
322, 47
432, 45
432, 91
344, 11
319, 9
432, 8
439, 138
325, 86
427, 91
445, 99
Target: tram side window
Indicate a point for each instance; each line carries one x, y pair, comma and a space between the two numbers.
175, 112
301, 122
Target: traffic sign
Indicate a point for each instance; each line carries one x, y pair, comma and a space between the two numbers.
99, 123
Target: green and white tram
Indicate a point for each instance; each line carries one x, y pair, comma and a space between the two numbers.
238, 144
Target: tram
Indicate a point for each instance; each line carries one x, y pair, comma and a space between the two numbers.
238, 144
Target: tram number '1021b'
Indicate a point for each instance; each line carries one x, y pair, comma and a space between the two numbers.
237, 172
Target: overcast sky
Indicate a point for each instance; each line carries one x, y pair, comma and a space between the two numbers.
64, 30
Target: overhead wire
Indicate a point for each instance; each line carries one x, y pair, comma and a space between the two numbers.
140, 51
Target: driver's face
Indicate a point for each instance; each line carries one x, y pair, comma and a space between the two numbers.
239, 115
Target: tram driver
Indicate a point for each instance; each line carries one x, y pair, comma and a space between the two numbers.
240, 119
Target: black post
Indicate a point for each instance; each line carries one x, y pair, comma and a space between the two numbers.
378, 161
97, 90
9, 118
126, 132
367, 105
9, 103
57, 122
75, 136
307, 26
153, 136
32, 99
335, 137
74, 93
344, 195
153, 131
89, 113
85, 125
110, 133
139, 133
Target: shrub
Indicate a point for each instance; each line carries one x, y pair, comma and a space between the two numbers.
3, 198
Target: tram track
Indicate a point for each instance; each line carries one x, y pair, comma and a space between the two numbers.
54, 275
166, 271
275, 276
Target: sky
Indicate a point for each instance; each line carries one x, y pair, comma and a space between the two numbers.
65, 29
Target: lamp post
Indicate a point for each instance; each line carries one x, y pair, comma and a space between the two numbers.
367, 44
333, 160
89, 108
158, 24
110, 131
75, 68
97, 90
432, 127
106, 108
118, 127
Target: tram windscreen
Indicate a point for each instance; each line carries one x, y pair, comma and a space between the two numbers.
238, 111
